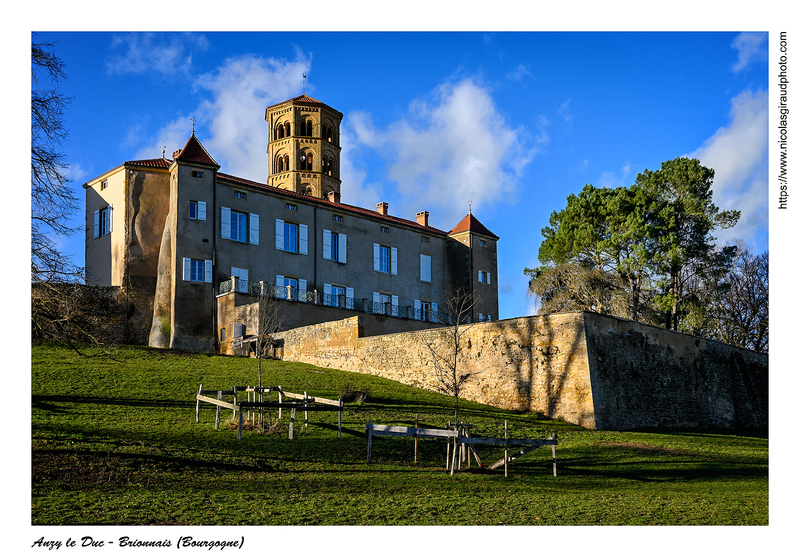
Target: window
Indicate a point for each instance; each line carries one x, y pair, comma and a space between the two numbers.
424, 267
334, 246
197, 174
385, 229
242, 279
291, 207
288, 288
337, 296
425, 311
426, 240
483, 243
384, 259
484, 277
197, 210
239, 194
291, 237
338, 218
103, 185
196, 270
385, 304
234, 226
223, 333
103, 221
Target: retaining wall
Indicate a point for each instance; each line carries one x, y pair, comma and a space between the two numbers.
596, 371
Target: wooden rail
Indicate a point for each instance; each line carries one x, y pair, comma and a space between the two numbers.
309, 404
464, 441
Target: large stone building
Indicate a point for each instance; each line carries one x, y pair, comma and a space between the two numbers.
185, 240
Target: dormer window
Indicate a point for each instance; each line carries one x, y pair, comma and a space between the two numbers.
239, 194
197, 174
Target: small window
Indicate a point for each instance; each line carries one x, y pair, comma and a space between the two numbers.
197, 174
291, 207
223, 333
425, 240
338, 218
239, 194
483, 243
484, 277
385, 229
193, 209
197, 270
103, 184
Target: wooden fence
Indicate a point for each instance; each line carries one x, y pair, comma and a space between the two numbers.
463, 443
308, 404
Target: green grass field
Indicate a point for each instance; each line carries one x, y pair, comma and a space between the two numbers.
115, 442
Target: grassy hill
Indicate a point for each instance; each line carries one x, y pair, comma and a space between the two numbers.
115, 442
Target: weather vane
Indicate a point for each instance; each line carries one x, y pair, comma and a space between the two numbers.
470, 206
304, 84
193, 121
163, 149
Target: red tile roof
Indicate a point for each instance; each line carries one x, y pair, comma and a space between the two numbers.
302, 99
331, 204
194, 152
472, 224
151, 163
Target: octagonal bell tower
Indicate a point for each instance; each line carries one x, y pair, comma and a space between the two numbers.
303, 148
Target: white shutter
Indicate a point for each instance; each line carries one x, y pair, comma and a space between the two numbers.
110, 219
279, 280
302, 285
488, 278
201, 210
326, 244
97, 224
187, 268
279, 235
434, 311
394, 261
326, 290
395, 303
376, 257
349, 294
238, 330
304, 239
254, 229
376, 303
342, 248
424, 267
226, 223
208, 266
417, 309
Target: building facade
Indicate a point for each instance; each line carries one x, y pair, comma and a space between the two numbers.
182, 235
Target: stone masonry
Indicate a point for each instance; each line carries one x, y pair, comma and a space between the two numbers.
596, 371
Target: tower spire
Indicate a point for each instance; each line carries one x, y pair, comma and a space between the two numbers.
304, 84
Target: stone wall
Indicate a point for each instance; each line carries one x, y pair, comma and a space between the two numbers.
596, 371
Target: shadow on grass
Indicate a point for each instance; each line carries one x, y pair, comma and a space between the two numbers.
48, 402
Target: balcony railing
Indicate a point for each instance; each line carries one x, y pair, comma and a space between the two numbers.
341, 301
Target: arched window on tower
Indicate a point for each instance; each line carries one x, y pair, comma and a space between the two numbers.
309, 128
286, 163
279, 165
310, 161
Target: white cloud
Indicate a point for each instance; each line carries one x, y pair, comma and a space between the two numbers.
449, 149
738, 155
565, 112
519, 72
615, 179
230, 123
751, 47
155, 53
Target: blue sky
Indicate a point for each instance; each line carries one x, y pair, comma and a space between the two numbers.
513, 121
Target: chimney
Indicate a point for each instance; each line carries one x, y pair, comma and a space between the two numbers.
383, 208
334, 197
422, 218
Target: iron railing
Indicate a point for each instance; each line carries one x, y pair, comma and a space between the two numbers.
315, 297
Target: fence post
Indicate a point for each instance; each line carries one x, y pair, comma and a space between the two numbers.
241, 419
291, 424
554, 437
197, 407
505, 448
416, 425
369, 440
280, 401
305, 403
341, 407
219, 397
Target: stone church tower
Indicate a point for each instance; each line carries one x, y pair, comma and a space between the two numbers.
304, 150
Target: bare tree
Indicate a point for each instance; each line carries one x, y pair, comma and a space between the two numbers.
52, 201
446, 347
270, 321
